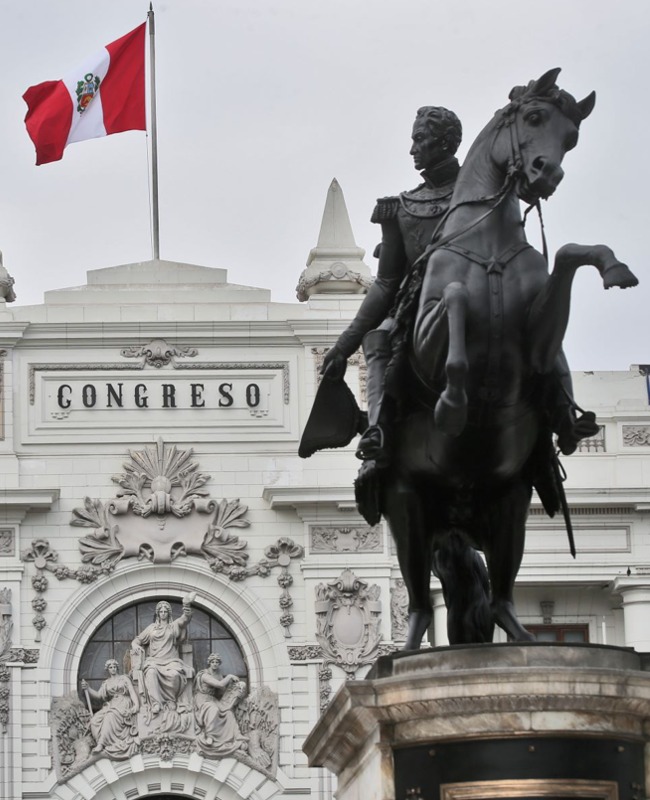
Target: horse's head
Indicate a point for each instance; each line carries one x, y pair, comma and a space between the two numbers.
538, 126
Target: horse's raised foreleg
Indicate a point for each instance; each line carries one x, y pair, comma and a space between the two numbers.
549, 313
404, 512
443, 322
505, 523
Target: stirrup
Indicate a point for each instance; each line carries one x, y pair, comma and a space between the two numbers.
369, 449
582, 428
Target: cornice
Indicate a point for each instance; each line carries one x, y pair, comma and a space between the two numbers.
312, 502
12, 332
16, 503
90, 334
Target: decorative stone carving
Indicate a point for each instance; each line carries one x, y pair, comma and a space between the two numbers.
259, 721
215, 699
593, 444
7, 542
338, 539
221, 719
636, 435
348, 615
161, 513
114, 726
305, 652
399, 603
280, 555
6, 624
159, 486
70, 721
6, 629
43, 558
167, 746
5, 678
158, 353
355, 360
336, 276
161, 669
324, 685
6, 284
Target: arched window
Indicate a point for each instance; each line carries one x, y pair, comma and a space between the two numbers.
113, 639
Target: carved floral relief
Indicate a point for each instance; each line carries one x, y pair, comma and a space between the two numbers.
6, 542
399, 602
346, 539
636, 435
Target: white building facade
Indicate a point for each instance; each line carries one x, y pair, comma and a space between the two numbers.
154, 511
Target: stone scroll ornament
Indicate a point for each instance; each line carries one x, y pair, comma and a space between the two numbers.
163, 512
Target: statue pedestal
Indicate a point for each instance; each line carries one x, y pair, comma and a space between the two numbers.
492, 721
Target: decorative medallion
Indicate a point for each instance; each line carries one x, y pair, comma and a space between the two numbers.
158, 353
348, 615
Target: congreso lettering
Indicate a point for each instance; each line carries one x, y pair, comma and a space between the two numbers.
119, 394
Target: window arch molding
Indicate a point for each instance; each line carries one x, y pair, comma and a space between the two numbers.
247, 616
226, 779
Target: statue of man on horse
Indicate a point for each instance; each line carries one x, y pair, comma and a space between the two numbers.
467, 381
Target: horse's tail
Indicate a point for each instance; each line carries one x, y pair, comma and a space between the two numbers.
466, 590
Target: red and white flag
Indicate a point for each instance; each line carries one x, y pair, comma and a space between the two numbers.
103, 95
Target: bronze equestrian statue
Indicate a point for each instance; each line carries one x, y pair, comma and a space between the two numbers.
476, 377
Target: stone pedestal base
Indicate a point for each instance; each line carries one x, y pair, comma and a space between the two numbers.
492, 721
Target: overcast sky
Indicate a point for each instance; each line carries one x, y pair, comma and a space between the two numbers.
262, 102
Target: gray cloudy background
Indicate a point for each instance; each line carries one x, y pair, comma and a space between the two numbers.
261, 104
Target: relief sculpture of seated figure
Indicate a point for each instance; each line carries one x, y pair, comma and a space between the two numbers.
215, 698
113, 726
159, 671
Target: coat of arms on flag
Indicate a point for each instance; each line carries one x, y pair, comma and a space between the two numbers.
86, 90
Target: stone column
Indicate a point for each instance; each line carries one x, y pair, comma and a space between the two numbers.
635, 591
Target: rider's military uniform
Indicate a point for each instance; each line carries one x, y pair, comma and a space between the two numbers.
419, 211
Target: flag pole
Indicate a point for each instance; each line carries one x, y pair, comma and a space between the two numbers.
154, 135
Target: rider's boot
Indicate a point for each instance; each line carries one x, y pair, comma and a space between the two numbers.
570, 428
375, 444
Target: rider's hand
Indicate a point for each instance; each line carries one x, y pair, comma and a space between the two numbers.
334, 364
84, 684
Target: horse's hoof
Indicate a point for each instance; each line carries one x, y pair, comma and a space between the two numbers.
506, 619
620, 275
419, 621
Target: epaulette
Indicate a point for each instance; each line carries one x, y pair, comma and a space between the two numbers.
386, 208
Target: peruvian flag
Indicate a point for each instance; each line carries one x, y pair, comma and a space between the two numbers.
103, 95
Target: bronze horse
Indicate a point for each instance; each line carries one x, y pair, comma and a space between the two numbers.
474, 436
